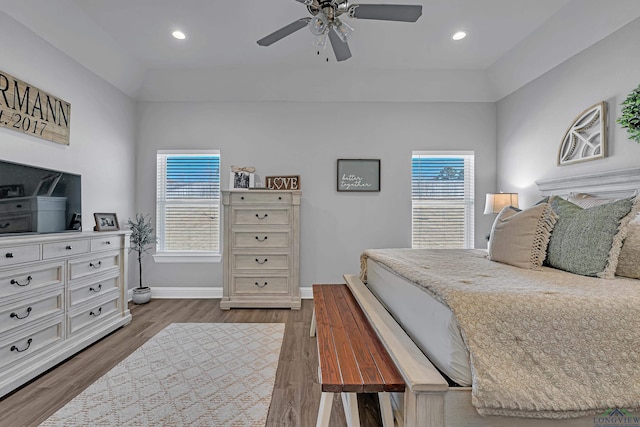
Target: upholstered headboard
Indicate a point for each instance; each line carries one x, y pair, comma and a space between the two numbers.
618, 183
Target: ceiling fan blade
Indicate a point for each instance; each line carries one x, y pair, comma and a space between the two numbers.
386, 12
284, 32
340, 48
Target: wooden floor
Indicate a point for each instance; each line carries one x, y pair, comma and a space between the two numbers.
296, 394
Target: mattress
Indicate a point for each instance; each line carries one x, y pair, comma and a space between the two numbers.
429, 323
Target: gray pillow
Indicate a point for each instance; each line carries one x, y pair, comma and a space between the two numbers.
629, 260
588, 241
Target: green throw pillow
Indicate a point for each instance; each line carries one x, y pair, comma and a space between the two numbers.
582, 239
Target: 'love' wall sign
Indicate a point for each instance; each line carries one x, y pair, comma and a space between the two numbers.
291, 182
27, 109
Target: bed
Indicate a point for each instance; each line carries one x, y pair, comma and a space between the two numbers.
430, 339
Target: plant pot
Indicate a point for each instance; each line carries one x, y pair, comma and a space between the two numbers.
141, 295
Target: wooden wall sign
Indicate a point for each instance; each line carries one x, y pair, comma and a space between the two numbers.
27, 109
291, 182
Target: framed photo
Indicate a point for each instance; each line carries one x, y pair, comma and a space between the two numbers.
106, 222
358, 174
241, 178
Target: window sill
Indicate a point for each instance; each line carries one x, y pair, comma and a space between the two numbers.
187, 257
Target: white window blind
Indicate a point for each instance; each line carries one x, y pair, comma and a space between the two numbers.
188, 202
442, 198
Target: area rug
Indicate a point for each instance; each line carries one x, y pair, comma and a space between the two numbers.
189, 374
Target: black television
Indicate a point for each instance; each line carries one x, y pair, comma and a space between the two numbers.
38, 200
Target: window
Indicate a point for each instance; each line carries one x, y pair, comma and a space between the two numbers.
188, 205
442, 199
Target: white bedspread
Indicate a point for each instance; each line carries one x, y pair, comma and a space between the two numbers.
543, 344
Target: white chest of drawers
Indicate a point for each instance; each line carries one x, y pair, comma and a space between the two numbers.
59, 293
261, 249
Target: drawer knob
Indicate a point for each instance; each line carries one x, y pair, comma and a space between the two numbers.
96, 289
261, 240
5, 225
15, 282
18, 206
9, 255
261, 262
279, 197
96, 266
17, 316
69, 247
96, 313
262, 217
241, 197
14, 348
108, 242
261, 286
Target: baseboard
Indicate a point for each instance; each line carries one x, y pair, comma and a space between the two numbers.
200, 293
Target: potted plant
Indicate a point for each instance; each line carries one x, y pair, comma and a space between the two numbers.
142, 239
630, 118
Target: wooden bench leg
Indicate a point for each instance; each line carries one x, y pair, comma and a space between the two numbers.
350, 404
385, 409
312, 332
324, 412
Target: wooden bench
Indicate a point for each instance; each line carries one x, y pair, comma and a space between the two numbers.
351, 357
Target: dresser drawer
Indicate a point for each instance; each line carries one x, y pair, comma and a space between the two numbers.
271, 239
93, 289
15, 206
60, 249
28, 278
15, 224
106, 243
261, 262
257, 216
94, 315
19, 254
21, 347
260, 285
94, 265
30, 310
261, 198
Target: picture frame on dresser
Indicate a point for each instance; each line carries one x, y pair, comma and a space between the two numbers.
106, 222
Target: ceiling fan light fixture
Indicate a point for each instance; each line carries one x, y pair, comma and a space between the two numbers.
343, 29
321, 41
318, 24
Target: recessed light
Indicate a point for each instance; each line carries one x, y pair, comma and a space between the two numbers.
459, 35
178, 35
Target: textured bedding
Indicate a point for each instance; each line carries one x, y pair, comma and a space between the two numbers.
543, 344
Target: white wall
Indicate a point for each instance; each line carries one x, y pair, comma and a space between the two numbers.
102, 145
533, 120
306, 139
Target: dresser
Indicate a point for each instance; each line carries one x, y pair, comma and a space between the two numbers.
261, 253
59, 293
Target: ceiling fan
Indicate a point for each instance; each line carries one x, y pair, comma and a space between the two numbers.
325, 23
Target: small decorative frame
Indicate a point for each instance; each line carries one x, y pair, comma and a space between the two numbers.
586, 138
241, 178
106, 222
358, 175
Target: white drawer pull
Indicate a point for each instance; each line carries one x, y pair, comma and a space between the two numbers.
14, 314
262, 217
96, 290
96, 313
261, 262
261, 286
15, 282
261, 240
14, 348
96, 266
